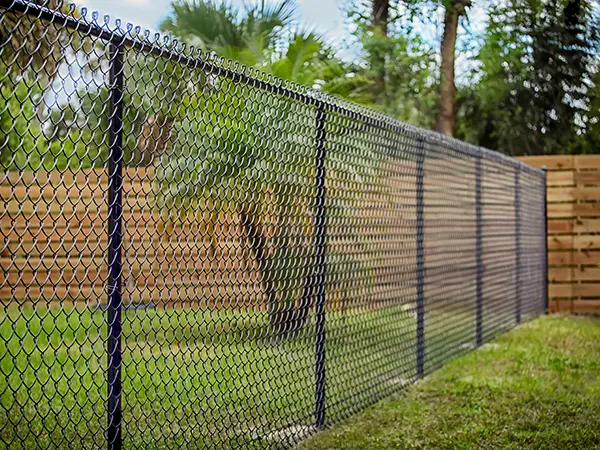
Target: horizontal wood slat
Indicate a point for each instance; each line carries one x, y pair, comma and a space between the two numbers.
561, 179
572, 194
552, 162
569, 274
591, 290
587, 161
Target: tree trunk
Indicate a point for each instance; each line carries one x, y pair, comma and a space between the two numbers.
446, 118
300, 316
285, 316
258, 244
154, 139
379, 17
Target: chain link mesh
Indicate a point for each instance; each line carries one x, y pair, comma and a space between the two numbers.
197, 255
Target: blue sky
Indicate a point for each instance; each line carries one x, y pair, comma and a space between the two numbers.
322, 15
325, 16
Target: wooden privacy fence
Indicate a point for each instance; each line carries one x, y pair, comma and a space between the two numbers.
53, 238
573, 231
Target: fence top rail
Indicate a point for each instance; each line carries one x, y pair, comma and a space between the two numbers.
173, 50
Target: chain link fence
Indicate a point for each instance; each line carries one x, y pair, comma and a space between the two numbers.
195, 254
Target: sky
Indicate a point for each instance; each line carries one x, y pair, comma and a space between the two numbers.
323, 15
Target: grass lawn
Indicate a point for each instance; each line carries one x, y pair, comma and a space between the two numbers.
209, 378
537, 387
192, 377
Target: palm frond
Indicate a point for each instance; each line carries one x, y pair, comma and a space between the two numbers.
217, 26
204, 23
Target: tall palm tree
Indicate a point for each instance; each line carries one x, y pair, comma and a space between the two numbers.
242, 149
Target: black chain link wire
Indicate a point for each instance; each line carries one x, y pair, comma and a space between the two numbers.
198, 255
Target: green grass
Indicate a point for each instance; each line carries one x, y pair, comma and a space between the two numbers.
191, 377
536, 387
196, 377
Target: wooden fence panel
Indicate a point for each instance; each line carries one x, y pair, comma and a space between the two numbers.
53, 242
53, 227
573, 231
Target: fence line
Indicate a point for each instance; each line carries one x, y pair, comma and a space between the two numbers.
40, 246
198, 255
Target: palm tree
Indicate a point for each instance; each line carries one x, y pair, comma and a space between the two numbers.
240, 151
259, 160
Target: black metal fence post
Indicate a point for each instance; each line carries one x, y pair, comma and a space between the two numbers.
115, 238
320, 262
478, 253
518, 244
420, 260
545, 245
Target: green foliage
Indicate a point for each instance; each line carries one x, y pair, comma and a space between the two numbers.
408, 92
243, 35
306, 60
533, 85
80, 129
406, 89
21, 142
257, 35
229, 156
25, 147
588, 141
537, 80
